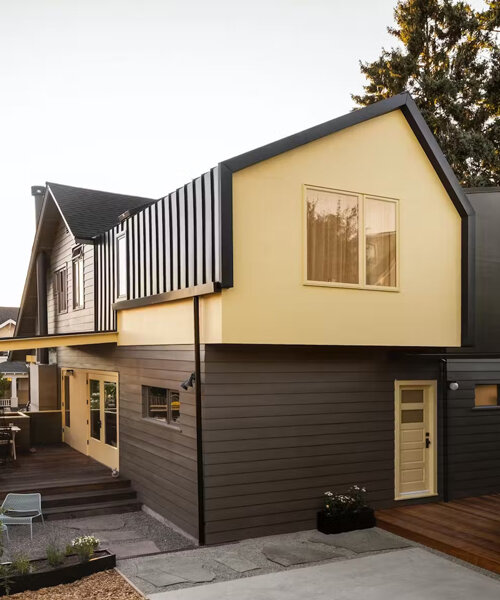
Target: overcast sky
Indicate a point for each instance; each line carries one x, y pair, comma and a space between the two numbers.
140, 96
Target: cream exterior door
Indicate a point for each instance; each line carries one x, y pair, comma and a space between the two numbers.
74, 408
415, 439
103, 418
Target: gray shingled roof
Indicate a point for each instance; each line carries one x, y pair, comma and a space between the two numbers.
89, 213
13, 367
8, 312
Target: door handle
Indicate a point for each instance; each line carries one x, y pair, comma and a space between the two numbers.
427, 442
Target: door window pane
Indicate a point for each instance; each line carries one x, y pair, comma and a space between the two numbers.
110, 414
95, 408
380, 231
67, 422
412, 416
332, 237
412, 396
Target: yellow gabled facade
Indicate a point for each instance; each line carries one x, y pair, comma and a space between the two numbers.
270, 302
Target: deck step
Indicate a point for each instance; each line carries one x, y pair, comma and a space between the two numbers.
68, 487
77, 498
91, 509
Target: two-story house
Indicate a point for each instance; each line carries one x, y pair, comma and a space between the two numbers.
278, 326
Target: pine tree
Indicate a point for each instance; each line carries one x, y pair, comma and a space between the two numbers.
448, 58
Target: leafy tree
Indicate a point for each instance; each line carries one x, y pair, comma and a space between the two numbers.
4, 387
448, 58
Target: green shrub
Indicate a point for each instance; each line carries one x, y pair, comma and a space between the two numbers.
85, 546
21, 564
55, 556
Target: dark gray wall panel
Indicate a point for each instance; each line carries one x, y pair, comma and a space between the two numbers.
281, 425
160, 461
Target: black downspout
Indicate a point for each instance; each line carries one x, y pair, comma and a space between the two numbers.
42, 354
444, 387
199, 423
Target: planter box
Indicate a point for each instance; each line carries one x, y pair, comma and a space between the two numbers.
362, 519
44, 575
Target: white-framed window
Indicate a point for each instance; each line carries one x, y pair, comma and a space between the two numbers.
121, 266
161, 404
61, 290
351, 239
78, 278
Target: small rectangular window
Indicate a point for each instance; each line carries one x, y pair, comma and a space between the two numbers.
78, 278
161, 404
486, 395
61, 290
121, 269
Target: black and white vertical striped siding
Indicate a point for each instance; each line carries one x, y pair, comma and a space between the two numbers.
172, 244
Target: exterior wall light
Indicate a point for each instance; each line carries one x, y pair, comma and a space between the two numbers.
189, 382
453, 386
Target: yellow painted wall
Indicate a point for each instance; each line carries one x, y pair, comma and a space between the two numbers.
170, 323
269, 304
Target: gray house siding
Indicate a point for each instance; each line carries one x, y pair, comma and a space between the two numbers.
282, 425
473, 434
72, 320
159, 460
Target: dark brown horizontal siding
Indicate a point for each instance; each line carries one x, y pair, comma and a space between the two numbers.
160, 461
281, 425
473, 434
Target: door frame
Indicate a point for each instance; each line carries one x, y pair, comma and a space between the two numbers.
430, 390
102, 376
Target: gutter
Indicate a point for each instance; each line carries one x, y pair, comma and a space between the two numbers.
199, 423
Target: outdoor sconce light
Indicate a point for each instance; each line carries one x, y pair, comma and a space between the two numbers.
453, 385
189, 382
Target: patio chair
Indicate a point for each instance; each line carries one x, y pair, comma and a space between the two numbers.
21, 509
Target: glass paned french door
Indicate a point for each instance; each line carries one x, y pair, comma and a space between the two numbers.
103, 418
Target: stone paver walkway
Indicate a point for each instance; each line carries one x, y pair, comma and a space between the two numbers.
127, 534
253, 557
410, 574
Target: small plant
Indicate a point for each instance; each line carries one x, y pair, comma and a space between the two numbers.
5, 578
351, 501
69, 550
21, 564
85, 546
55, 556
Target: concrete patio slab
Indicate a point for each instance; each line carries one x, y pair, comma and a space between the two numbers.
295, 553
363, 540
236, 562
410, 574
189, 569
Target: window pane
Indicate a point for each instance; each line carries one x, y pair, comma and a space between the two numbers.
157, 407
67, 422
122, 266
412, 396
380, 229
95, 409
175, 406
332, 237
486, 395
412, 416
110, 414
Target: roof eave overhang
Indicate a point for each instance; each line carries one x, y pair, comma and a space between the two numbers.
58, 340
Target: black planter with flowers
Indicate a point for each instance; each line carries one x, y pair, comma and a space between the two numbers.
345, 512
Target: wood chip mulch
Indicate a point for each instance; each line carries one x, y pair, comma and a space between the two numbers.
107, 585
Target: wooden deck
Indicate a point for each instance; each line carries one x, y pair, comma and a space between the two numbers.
71, 484
468, 529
